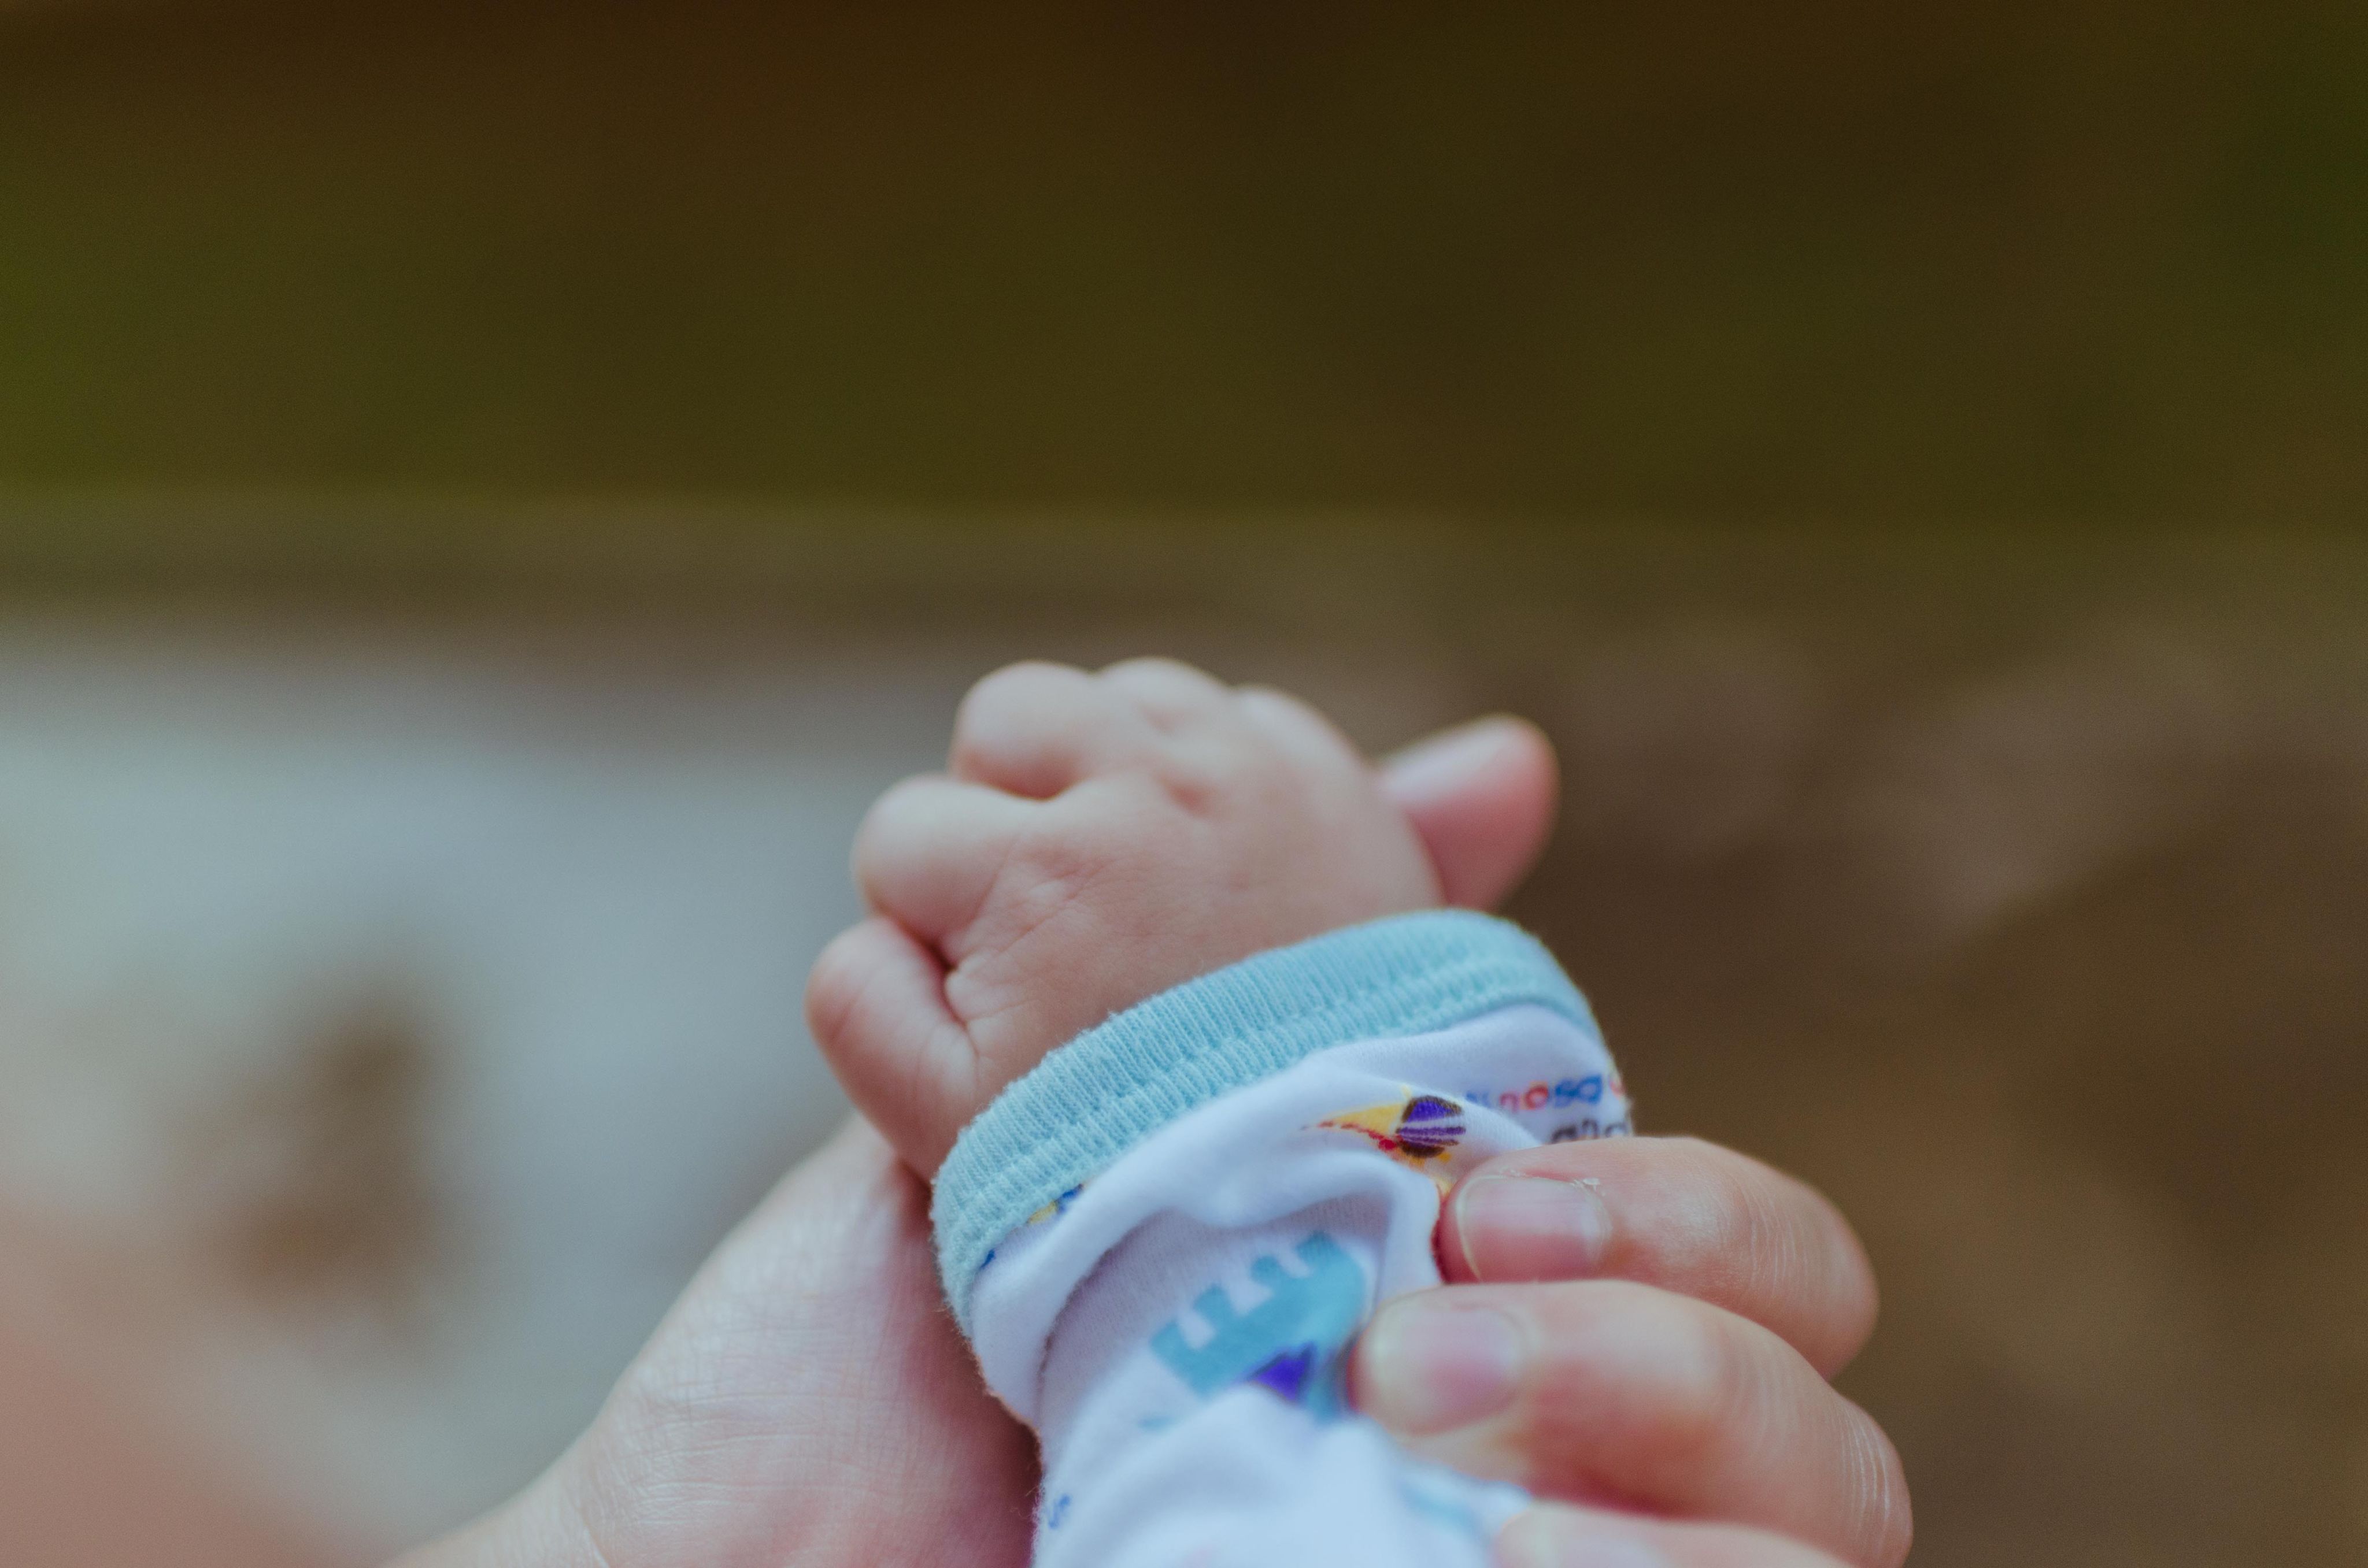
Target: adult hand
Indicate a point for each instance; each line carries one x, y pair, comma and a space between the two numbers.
809, 1402
1643, 1324
1646, 1325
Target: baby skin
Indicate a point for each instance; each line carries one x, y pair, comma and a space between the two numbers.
1163, 1239
1100, 837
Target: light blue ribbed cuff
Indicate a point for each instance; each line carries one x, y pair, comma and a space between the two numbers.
1095, 1097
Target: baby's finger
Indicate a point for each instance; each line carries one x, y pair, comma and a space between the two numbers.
876, 1003
1300, 732
1035, 729
1171, 692
1555, 1535
930, 849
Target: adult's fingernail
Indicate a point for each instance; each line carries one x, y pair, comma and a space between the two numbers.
1546, 1537
1519, 1228
1432, 1367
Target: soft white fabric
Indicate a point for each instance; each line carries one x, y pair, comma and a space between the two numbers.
1175, 1327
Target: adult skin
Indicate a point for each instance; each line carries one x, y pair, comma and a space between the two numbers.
809, 1400
1640, 1329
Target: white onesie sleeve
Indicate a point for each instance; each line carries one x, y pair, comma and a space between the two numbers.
1163, 1240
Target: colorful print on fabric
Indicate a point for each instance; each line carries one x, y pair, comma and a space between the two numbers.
1444, 1502
1564, 1092
1058, 1207
1417, 1131
1051, 1211
1289, 1344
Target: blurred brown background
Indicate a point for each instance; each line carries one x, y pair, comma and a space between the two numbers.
486, 493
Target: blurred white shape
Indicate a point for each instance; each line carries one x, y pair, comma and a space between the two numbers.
554, 906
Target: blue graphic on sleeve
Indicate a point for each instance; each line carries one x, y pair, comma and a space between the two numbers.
1289, 1344
1442, 1502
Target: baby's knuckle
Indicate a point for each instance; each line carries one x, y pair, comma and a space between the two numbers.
1021, 675
1056, 864
996, 701
833, 987
1165, 673
892, 812
1065, 862
1133, 810
1195, 786
1281, 707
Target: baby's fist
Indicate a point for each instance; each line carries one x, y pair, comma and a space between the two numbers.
1101, 837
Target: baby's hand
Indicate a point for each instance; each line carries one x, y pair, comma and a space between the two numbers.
1101, 838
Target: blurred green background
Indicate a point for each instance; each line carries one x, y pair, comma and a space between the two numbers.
2063, 262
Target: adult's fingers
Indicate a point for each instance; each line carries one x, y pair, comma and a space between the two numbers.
1555, 1535
1604, 1391
1481, 798
1676, 1212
